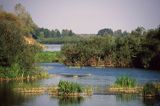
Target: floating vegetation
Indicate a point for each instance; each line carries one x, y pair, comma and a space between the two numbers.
125, 81
53, 90
35, 90
115, 89
29, 88
125, 84
64, 88
69, 88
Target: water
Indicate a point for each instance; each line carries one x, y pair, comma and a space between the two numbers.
99, 78
53, 47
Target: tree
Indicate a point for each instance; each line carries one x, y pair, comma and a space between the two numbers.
138, 31
66, 32
14, 50
118, 32
153, 45
105, 31
1, 8
29, 26
58, 34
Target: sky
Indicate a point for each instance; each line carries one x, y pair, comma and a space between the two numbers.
89, 16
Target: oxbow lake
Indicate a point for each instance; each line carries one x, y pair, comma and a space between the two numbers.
99, 78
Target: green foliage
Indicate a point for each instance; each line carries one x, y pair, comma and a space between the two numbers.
125, 81
106, 51
42, 33
149, 89
66, 87
105, 31
28, 24
15, 53
48, 57
140, 49
10, 72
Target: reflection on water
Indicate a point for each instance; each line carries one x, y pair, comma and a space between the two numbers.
53, 47
126, 97
151, 101
10, 98
70, 101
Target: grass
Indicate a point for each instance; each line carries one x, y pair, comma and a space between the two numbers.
66, 87
15, 73
10, 72
125, 84
125, 81
48, 57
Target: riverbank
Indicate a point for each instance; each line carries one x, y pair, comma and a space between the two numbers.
42, 75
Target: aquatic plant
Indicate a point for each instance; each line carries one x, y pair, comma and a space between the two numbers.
125, 81
66, 87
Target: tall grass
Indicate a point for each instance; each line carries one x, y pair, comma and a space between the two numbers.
66, 87
10, 72
125, 81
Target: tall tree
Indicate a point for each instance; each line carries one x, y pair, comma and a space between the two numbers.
105, 31
138, 31
29, 25
14, 49
1, 8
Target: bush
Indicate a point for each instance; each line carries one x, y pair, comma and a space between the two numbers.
66, 87
125, 81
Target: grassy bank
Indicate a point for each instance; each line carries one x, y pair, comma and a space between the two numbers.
48, 57
15, 73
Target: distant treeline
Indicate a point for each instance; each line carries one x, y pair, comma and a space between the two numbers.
140, 48
46, 33
47, 36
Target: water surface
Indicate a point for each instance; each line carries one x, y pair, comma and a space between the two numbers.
53, 47
99, 78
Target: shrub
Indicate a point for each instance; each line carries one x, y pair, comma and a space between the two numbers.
149, 89
125, 81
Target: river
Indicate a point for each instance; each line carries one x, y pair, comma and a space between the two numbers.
53, 47
99, 78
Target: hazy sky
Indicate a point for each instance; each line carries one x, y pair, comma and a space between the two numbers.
88, 16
